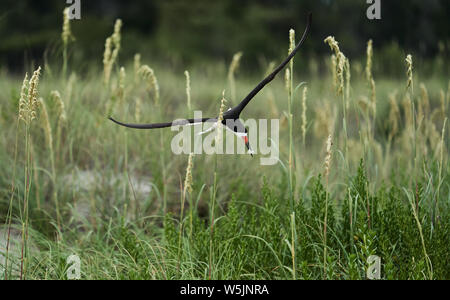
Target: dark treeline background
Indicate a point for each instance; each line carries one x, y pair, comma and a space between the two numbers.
196, 31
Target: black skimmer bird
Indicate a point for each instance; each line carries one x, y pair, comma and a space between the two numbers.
231, 116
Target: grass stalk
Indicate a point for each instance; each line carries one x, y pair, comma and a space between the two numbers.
325, 221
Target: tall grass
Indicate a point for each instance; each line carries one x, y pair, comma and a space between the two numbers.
28, 105
66, 37
137, 211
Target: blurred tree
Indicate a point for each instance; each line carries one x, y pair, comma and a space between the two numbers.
203, 30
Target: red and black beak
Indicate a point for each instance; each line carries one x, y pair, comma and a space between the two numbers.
247, 144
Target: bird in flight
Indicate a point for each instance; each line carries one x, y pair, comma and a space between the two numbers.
231, 116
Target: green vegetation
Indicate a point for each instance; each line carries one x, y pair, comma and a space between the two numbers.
364, 172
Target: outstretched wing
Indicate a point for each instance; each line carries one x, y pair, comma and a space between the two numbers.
237, 109
180, 122
272, 75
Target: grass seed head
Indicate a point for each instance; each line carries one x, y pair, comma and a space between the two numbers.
23, 103
66, 34
222, 107
287, 79
121, 86
220, 118
334, 45
107, 60
328, 156
107, 52
409, 72
369, 77
33, 87
304, 120
369, 52
148, 74
338, 63
340, 73
188, 179
291, 40
28, 102
116, 37
188, 89
291, 46
112, 48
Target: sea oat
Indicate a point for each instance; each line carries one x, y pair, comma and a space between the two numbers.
369, 77
304, 120
338, 63
112, 47
148, 74
369, 52
220, 118
66, 37
66, 34
287, 79
23, 103
291, 47
409, 72
188, 89
188, 179
28, 102
121, 86
334, 45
